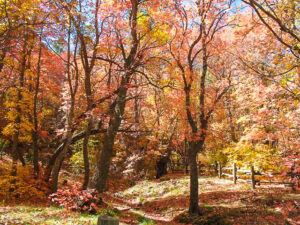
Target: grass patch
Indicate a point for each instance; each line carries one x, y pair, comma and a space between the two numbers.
43, 215
110, 212
144, 221
149, 190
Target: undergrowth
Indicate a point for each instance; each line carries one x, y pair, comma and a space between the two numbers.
23, 187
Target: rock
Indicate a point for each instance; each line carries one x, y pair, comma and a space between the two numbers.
107, 220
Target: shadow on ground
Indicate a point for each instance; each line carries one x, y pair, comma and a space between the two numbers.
262, 206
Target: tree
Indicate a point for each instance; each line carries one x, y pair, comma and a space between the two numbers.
264, 98
35, 119
88, 52
133, 56
72, 73
188, 49
280, 18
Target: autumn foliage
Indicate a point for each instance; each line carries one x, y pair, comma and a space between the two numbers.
74, 198
94, 91
23, 187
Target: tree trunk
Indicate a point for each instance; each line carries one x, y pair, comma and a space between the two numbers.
234, 173
161, 166
103, 163
14, 154
194, 199
86, 155
196, 146
252, 177
230, 118
216, 168
21, 157
220, 170
186, 161
51, 162
35, 153
58, 163
116, 113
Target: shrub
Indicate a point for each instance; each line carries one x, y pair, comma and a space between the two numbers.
23, 187
74, 198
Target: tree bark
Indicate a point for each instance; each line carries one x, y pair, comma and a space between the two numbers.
103, 163
86, 155
193, 207
51, 162
58, 163
14, 154
186, 160
230, 118
59, 160
216, 168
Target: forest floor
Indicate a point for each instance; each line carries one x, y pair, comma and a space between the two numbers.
165, 201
